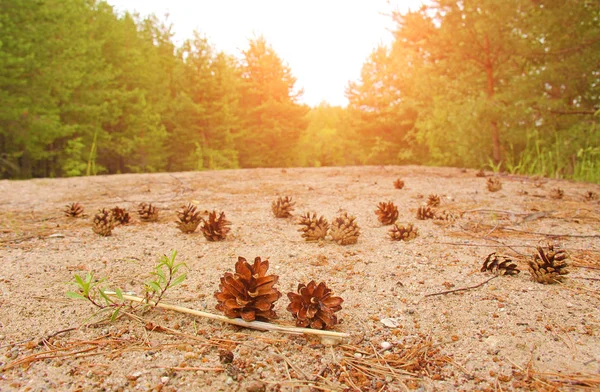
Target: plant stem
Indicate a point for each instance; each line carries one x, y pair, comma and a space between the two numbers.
327, 336
462, 289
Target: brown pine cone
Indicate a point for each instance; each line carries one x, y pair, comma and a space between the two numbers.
403, 233
387, 213
73, 210
424, 213
548, 267
314, 306
433, 200
188, 218
493, 184
344, 230
103, 222
148, 212
313, 229
248, 293
216, 228
121, 215
283, 207
499, 265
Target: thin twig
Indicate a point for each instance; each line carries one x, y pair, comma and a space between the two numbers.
462, 288
192, 368
552, 235
327, 336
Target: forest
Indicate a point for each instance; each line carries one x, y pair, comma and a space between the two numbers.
508, 85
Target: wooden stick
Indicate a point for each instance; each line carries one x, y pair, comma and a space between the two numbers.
328, 337
463, 288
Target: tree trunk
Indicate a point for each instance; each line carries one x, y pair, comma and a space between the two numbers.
489, 70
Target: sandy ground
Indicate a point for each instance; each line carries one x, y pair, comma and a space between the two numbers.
510, 333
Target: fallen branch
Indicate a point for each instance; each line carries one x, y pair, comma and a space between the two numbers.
462, 288
327, 337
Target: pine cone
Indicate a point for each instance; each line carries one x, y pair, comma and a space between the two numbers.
403, 233
344, 230
424, 213
494, 184
103, 222
314, 306
557, 193
548, 267
283, 207
73, 210
189, 218
590, 196
398, 184
480, 173
387, 213
433, 200
313, 229
499, 265
216, 229
148, 212
121, 216
248, 293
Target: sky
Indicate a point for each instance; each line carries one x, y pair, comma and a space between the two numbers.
324, 42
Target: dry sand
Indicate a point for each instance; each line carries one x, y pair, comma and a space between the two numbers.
510, 333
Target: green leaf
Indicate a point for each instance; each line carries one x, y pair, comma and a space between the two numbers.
178, 280
103, 295
119, 293
74, 295
153, 286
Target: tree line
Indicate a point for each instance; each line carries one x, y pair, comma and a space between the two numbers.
510, 85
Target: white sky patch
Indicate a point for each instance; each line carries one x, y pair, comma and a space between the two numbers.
324, 42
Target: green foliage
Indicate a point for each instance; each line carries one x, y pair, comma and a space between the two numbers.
327, 140
91, 289
497, 83
508, 84
273, 119
165, 277
94, 291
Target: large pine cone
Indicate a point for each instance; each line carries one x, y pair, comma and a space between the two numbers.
425, 213
387, 213
216, 228
103, 222
73, 210
283, 207
248, 293
499, 265
548, 267
344, 230
313, 229
189, 218
403, 233
121, 215
148, 212
493, 184
314, 306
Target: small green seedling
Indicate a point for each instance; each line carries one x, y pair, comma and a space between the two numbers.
93, 290
164, 278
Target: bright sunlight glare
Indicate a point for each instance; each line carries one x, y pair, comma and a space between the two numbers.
325, 43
